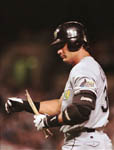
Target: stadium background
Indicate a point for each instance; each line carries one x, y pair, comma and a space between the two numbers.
27, 61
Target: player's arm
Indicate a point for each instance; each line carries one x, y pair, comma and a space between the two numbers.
83, 102
50, 107
80, 109
76, 113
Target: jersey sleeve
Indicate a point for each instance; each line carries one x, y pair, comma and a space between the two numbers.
84, 83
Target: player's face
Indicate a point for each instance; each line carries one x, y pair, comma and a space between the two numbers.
66, 55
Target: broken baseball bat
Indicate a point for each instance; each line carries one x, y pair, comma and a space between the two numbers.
47, 132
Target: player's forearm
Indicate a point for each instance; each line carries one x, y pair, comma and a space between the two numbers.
60, 119
51, 107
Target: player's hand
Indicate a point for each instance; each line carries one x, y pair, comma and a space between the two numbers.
40, 121
14, 104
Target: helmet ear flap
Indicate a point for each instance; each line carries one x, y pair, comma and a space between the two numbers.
73, 44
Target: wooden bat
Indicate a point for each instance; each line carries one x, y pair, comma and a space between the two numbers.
47, 132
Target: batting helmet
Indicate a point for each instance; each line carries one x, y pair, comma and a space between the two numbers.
73, 33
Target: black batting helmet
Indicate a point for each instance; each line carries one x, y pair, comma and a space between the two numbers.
73, 33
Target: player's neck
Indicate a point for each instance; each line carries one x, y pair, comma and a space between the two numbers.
80, 55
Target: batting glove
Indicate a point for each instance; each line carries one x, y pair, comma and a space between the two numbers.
40, 121
14, 104
45, 121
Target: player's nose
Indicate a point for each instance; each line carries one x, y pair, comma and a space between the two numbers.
59, 51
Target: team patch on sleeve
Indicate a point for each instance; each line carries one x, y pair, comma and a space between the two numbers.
86, 82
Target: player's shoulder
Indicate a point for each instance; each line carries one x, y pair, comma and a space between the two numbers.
88, 66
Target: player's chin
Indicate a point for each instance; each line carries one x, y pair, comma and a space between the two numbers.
65, 60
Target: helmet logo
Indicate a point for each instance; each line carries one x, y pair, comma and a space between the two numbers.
71, 33
55, 33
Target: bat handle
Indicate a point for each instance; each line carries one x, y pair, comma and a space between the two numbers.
47, 133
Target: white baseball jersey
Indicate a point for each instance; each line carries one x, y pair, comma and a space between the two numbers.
88, 75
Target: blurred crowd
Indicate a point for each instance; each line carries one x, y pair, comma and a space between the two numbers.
29, 63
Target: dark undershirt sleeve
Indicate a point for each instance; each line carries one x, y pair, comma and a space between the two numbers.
80, 109
26, 107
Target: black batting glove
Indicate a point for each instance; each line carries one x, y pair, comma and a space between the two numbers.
14, 104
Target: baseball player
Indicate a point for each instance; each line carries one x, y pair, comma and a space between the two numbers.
83, 110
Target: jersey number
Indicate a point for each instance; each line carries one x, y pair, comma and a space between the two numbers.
105, 108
